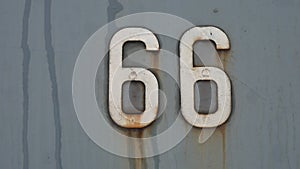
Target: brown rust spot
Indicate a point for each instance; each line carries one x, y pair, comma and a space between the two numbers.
133, 121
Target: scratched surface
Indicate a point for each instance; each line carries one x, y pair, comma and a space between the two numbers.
39, 44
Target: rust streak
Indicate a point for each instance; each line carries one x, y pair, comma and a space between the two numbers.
225, 57
222, 129
137, 147
155, 61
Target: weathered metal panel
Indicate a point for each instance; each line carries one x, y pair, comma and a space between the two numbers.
39, 44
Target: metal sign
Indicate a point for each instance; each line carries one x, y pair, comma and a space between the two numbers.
100, 120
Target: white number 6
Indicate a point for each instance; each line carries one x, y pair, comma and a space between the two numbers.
118, 75
189, 75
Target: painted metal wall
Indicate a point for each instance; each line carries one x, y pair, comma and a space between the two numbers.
40, 41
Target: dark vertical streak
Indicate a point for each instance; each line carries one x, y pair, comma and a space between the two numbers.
113, 8
52, 72
26, 61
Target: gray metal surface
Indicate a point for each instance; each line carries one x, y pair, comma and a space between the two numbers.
39, 44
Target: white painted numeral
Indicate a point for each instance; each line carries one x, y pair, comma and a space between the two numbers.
119, 75
189, 75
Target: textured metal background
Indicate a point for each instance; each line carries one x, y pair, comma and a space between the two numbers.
40, 41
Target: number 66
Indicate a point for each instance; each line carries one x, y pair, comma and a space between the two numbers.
189, 75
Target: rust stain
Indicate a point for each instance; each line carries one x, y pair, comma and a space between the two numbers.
134, 121
136, 131
138, 148
225, 57
140, 162
155, 60
222, 129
